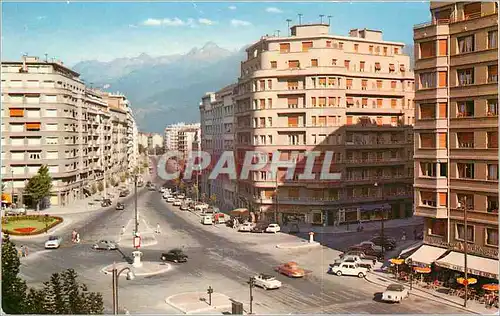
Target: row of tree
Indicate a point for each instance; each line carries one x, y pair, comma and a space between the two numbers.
62, 294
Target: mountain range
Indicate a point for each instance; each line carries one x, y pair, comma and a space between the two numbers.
168, 89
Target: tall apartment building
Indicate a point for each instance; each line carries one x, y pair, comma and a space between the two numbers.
217, 119
456, 132
352, 95
180, 137
150, 141
49, 117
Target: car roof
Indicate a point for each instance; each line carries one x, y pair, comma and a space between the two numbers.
266, 276
395, 287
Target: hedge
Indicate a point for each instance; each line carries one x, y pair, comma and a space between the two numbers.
41, 218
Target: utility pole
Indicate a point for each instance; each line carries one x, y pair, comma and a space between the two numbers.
12, 188
135, 206
278, 31
466, 282
321, 18
329, 19
300, 18
288, 25
277, 200
251, 283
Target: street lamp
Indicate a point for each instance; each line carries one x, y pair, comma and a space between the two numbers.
409, 261
135, 205
277, 200
466, 281
251, 284
382, 226
46, 218
210, 290
116, 275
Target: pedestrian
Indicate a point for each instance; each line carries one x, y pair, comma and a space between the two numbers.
157, 228
123, 229
415, 234
403, 238
73, 236
77, 240
23, 251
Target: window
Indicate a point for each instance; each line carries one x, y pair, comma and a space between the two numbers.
427, 49
465, 109
361, 66
459, 231
15, 112
465, 140
465, 170
437, 227
443, 198
443, 169
284, 47
262, 85
443, 47
427, 140
17, 141
51, 140
356, 47
465, 76
493, 39
379, 84
396, 50
472, 10
442, 78
443, 142
493, 73
370, 49
293, 121
443, 110
493, 172
293, 85
322, 82
492, 107
385, 51
270, 84
364, 84
52, 127
341, 45
293, 64
492, 140
34, 156
314, 63
328, 43
466, 44
334, 62
427, 80
377, 67
346, 63
428, 198
32, 126
428, 169
274, 64
306, 46
348, 84
313, 101
491, 237
492, 206
427, 111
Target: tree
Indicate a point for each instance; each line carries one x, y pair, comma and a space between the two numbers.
100, 186
142, 149
39, 186
213, 199
13, 287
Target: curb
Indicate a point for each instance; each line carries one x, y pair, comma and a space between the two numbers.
168, 267
304, 245
199, 310
438, 300
51, 231
320, 232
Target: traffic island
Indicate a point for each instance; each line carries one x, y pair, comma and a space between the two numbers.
147, 268
299, 245
199, 302
29, 225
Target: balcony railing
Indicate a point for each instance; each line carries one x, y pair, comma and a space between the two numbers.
453, 20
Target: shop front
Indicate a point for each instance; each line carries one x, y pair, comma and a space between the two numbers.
375, 212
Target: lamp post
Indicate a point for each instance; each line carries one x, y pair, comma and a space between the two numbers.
410, 263
46, 218
382, 228
116, 275
251, 284
135, 205
12, 189
288, 25
210, 290
277, 200
466, 276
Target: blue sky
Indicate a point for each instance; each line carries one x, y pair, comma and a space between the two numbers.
76, 31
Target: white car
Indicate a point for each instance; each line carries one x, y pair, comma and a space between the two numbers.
54, 242
181, 196
246, 227
188, 200
371, 245
267, 282
170, 199
395, 293
348, 268
177, 203
166, 195
162, 190
273, 228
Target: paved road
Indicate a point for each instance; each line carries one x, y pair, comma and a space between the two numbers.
216, 260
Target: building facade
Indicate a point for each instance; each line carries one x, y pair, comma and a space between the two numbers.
217, 118
351, 95
49, 117
456, 132
180, 137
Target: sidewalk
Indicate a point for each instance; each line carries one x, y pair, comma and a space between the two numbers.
384, 279
197, 302
368, 226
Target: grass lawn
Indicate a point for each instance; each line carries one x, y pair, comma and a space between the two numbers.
27, 225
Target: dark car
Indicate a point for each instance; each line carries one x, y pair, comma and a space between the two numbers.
120, 206
174, 255
361, 254
389, 243
124, 193
259, 228
106, 203
367, 250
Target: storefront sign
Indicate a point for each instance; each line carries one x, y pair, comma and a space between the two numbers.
458, 246
469, 270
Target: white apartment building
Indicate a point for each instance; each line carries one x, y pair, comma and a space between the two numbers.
180, 137
216, 113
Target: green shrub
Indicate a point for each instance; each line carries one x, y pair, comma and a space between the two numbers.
57, 221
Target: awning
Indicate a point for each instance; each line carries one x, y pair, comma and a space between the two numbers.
6, 198
409, 251
372, 207
239, 212
475, 265
427, 254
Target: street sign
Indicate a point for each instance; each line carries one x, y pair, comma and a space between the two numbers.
137, 242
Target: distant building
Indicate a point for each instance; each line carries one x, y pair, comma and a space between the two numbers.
181, 136
151, 141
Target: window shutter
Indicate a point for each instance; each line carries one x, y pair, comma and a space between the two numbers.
443, 47
349, 100
393, 103
331, 121
322, 121
393, 84
313, 101
443, 199
364, 83
349, 120
284, 47
364, 101
331, 101
377, 66
426, 140
293, 121
322, 101
313, 120
391, 67
426, 111
262, 84
472, 10
274, 64
361, 65
322, 81
493, 140
16, 113
442, 78
293, 64
493, 70
331, 81
402, 68
306, 46
348, 83
426, 195
379, 103
346, 63
394, 120
33, 126
379, 120
314, 62
379, 84
293, 101
262, 104
442, 140
443, 109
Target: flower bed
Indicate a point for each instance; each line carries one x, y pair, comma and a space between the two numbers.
28, 225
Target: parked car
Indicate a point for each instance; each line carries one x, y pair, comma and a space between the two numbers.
246, 227
207, 219
184, 206
361, 254
124, 193
370, 244
106, 203
181, 196
267, 282
201, 207
120, 206
166, 195
188, 200
291, 269
162, 189
15, 212
273, 228
367, 250
365, 263
105, 244
260, 228
170, 200
53, 242
177, 202
395, 293
174, 255
348, 268
389, 243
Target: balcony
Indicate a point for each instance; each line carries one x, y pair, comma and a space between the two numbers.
431, 211
490, 186
435, 123
431, 93
475, 216
376, 161
376, 144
